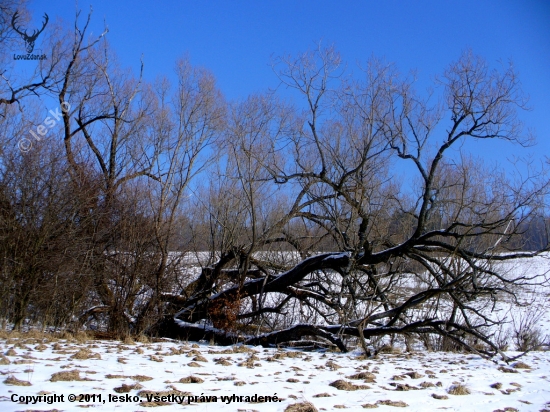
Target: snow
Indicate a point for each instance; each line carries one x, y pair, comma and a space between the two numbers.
291, 376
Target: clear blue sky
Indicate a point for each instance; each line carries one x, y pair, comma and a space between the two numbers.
236, 39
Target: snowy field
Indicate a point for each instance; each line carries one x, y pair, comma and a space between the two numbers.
116, 376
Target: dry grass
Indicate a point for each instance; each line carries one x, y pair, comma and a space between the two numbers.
12, 380
366, 376
332, 365
507, 370
191, 379
146, 404
458, 389
440, 397
73, 375
200, 358
520, 365
4, 360
343, 385
222, 361
124, 388
84, 354
301, 407
496, 385
172, 391
11, 352
397, 404
322, 395
402, 387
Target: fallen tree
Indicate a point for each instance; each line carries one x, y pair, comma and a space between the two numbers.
421, 253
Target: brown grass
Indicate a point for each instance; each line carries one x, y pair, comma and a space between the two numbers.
4, 360
139, 378
440, 397
332, 365
507, 370
11, 352
124, 388
403, 387
73, 375
343, 385
520, 365
223, 361
458, 389
301, 407
398, 404
84, 354
322, 395
146, 404
12, 380
173, 391
191, 379
496, 385
366, 376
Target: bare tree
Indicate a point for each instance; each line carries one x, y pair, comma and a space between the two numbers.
418, 257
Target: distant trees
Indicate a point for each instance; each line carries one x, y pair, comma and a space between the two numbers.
357, 217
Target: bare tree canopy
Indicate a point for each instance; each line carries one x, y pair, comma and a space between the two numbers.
351, 214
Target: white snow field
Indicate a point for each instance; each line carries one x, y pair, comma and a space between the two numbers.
116, 376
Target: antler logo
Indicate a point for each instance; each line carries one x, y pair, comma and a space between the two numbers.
29, 40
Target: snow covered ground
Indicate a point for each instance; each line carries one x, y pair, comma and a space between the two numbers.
135, 372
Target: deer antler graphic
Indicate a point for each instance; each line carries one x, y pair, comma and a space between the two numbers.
29, 40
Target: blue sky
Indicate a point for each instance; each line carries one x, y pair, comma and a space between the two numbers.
237, 39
